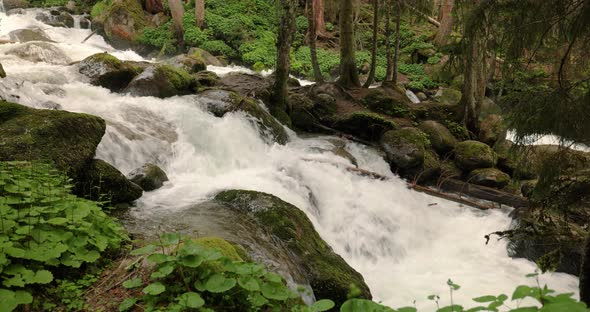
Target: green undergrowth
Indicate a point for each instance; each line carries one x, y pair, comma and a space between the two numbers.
46, 233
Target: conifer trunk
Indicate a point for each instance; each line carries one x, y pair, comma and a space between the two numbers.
398, 16
200, 12
446, 23
348, 73
286, 28
317, 73
371, 77
177, 11
388, 55
318, 16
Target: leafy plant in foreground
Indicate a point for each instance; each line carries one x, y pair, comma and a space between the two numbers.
187, 275
44, 230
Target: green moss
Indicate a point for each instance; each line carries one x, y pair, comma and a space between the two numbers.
471, 155
133, 8
101, 181
329, 275
365, 125
99, 8
179, 78
226, 248
449, 96
267, 122
379, 101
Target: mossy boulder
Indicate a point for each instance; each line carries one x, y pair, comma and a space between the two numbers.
404, 148
16, 4
56, 18
190, 63
470, 155
440, 137
365, 125
209, 58
227, 249
161, 81
149, 177
206, 78
122, 20
448, 96
380, 101
328, 274
221, 102
310, 111
68, 140
107, 71
490, 177
492, 129
102, 181
39, 51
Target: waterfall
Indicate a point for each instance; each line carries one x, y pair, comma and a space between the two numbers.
405, 244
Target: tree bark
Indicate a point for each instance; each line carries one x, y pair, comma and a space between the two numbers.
585, 275
317, 73
349, 77
318, 16
446, 23
177, 11
371, 77
398, 16
286, 28
388, 55
200, 12
154, 6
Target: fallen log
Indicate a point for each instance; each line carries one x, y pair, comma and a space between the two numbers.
451, 197
483, 192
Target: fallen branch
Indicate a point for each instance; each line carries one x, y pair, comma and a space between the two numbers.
451, 197
91, 34
428, 18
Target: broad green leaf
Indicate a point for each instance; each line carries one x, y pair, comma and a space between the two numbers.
522, 291
485, 299
8, 300
23, 297
42, 277
273, 277
407, 309
158, 258
133, 283
363, 305
127, 304
525, 309
274, 291
191, 261
149, 249
190, 300
452, 308
257, 300
564, 306
163, 270
218, 283
249, 283
322, 305
57, 221
154, 289
169, 239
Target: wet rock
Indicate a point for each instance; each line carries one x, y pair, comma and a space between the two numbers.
84, 23
207, 78
405, 147
16, 4
161, 81
188, 62
421, 96
29, 34
327, 273
36, 51
380, 101
15, 11
364, 125
107, 71
2, 72
492, 129
490, 177
51, 105
56, 19
470, 155
149, 177
123, 20
209, 58
448, 96
440, 137
100, 181
67, 139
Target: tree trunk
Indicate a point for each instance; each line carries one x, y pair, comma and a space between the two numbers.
200, 12
388, 55
349, 77
154, 6
398, 16
286, 28
585, 275
446, 23
177, 11
318, 16
371, 77
317, 73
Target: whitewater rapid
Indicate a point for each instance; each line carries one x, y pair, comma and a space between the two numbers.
405, 244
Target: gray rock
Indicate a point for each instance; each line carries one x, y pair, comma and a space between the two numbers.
161, 81
490, 177
51, 105
470, 155
404, 148
16, 4
107, 71
440, 137
29, 34
149, 177
36, 51
492, 129
2, 72
56, 19
188, 62
85, 23
15, 11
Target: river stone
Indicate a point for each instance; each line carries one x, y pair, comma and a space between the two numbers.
15, 4
364, 125
51, 105
207, 78
470, 155
69, 140
123, 20
492, 129
188, 62
328, 274
29, 34
448, 96
404, 148
56, 19
107, 71
209, 58
2, 72
15, 11
36, 51
149, 177
102, 181
161, 81
84, 23
440, 137
490, 177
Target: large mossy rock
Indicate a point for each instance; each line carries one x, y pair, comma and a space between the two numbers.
448, 96
364, 125
161, 81
206, 78
107, 71
149, 177
221, 102
470, 155
39, 51
440, 137
101, 181
382, 102
188, 62
209, 58
123, 20
404, 148
490, 177
69, 140
492, 129
16, 4
328, 274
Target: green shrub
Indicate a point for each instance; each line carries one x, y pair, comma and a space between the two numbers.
99, 8
262, 50
45, 230
193, 35
302, 24
160, 37
218, 47
191, 275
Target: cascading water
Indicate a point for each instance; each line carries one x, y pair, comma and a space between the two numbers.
405, 246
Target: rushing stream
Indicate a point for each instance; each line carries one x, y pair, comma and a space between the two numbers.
405, 244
